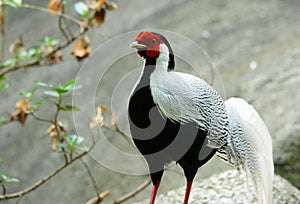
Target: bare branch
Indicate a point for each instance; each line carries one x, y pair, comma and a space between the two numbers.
45, 179
61, 22
7, 121
2, 32
41, 119
18, 200
64, 15
36, 63
98, 198
91, 176
120, 132
3, 188
132, 193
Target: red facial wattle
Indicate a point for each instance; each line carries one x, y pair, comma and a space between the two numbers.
152, 41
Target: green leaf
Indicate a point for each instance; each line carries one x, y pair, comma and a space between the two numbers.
10, 3
38, 103
52, 94
2, 77
23, 55
18, 2
71, 85
35, 105
34, 51
74, 141
71, 82
25, 94
5, 179
81, 8
10, 62
60, 90
85, 14
50, 41
63, 26
1, 123
39, 58
69, 108
28, 94
4, 85
11, 180
40, 83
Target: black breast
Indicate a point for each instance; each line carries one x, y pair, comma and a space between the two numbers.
159, 139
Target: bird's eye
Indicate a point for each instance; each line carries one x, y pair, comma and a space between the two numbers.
153, 40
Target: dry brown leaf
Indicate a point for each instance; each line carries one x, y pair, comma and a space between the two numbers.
99, 16
98, 119
82, 48
1, 14
95, 4
23, 104
54, 132
17, 47
103, 108
111, 5
92, 21
84, 21
113, 122
21, 112
55, 58
60, 127
102, 4
55, 6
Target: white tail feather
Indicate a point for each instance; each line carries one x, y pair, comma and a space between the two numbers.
252, 144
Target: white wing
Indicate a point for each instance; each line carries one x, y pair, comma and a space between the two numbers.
250, 145
186, 98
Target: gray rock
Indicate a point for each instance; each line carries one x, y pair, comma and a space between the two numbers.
227, 188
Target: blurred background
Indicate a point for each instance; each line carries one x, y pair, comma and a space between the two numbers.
254, 44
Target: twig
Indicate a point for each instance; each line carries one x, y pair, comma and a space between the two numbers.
41, 119
57, 129
3, 188
43, 180
91, 177
61, 22
64, 15
18, 200
7, 121
36, 63
98, 198
65, 155
2, 32
120, 132
132, 193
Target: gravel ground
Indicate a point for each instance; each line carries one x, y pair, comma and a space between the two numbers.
227, 188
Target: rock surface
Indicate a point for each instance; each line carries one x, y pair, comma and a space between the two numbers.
227, 188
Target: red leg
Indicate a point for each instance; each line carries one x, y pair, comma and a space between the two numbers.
154, 191
187, 191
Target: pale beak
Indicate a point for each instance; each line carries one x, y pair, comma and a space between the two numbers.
137, 45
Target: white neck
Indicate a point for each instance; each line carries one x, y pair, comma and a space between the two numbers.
160, 72
162, 61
